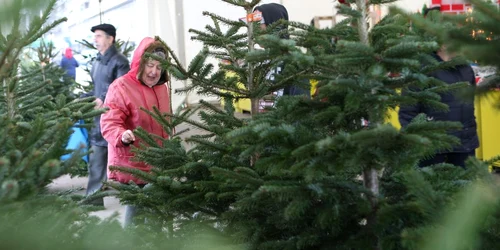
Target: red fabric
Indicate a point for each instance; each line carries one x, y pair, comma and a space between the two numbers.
68, 53
458, 7
445, 7
125, 98
136, 59
452, 6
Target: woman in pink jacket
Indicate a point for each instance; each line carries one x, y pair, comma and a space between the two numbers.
142, 87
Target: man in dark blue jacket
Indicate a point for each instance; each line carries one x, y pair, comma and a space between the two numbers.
271, 13
108, 66
459, 110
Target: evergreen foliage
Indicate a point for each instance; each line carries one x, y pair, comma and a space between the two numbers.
473, 35
34, 129
124, 47
35, 120
52, 222
319, 173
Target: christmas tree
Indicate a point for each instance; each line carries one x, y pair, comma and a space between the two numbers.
35, 125
319, 173
473, 35
36, 112
42, 59
476, 36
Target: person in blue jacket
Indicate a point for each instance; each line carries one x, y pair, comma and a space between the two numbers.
69, 64
460, 110
109, 65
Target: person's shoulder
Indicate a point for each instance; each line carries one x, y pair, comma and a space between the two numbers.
121, 59
467, 67
119, 86
468, 71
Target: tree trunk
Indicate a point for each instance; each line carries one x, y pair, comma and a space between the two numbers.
370, 175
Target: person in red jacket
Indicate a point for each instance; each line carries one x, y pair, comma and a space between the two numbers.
142, 87
69, 64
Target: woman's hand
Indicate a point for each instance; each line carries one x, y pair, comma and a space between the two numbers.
98, 103
128, 137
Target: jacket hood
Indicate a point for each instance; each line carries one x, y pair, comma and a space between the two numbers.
68, 53
272, 12
147, 45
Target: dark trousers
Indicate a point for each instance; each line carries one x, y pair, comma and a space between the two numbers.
457, 159
98, 161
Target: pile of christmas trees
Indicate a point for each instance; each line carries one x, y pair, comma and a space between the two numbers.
37, 110
37, 113
319, 173
325, 172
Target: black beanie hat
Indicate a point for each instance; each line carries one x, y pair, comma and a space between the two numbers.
273, 12
108, 28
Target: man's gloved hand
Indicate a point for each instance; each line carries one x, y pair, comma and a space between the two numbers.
128, 137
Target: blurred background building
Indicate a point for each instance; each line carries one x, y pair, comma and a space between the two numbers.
171, 20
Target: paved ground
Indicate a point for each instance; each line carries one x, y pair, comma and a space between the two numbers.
111, 204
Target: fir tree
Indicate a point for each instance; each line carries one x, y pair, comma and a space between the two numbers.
35, 123
34, 128
473, 35
56, 84
476, 37
317, 173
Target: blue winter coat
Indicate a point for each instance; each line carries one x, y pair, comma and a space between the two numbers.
69, 65
105, 70
459, 110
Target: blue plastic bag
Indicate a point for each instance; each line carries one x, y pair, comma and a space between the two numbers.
79, 139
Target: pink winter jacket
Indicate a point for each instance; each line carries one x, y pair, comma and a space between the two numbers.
125, 97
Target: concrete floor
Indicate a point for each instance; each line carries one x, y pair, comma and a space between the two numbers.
111, 204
